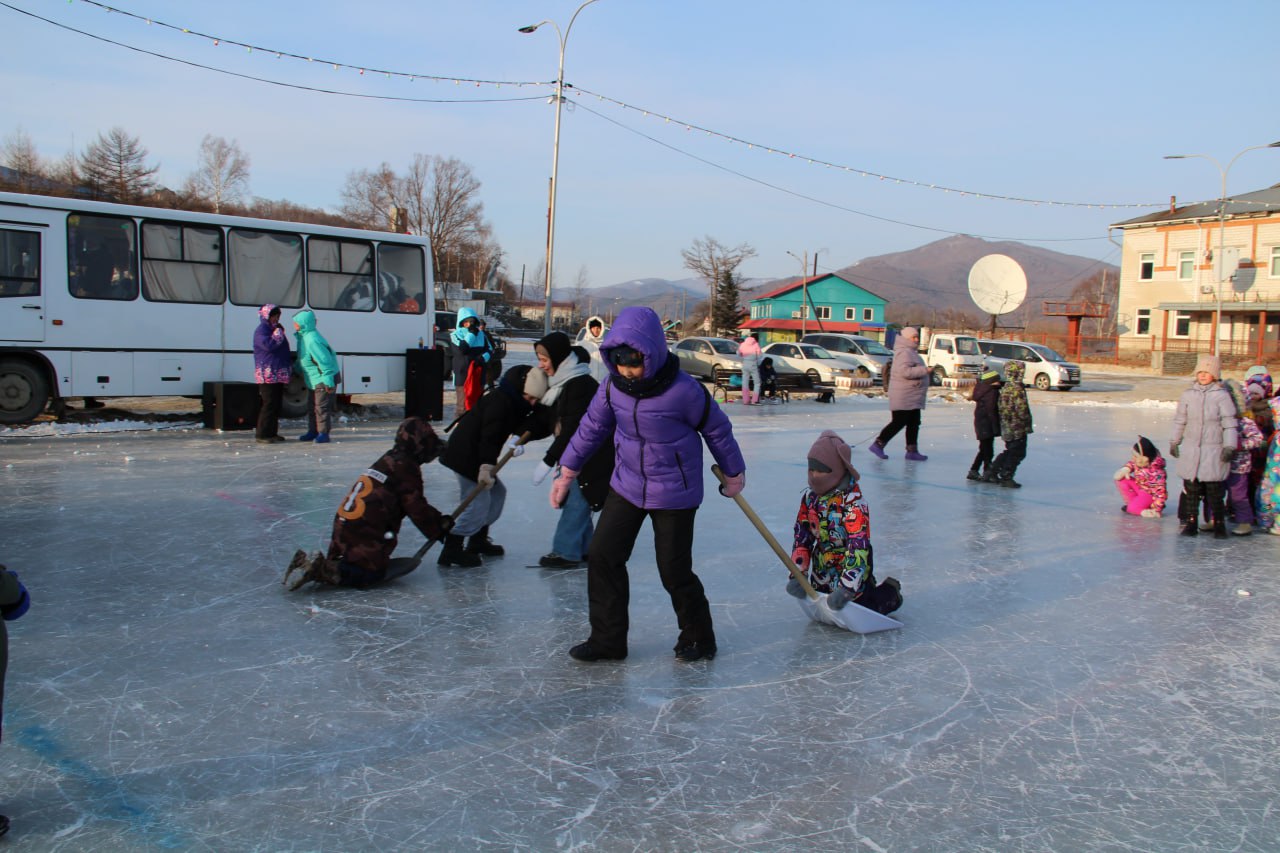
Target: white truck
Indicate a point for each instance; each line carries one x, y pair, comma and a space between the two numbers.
950, 355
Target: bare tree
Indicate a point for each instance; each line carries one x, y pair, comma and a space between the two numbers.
222, 174
578, 296
443, 199
371, 199
115, 166
19, 154
711, 261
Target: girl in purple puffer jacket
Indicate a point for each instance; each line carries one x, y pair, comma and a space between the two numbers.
657, 417
272, 369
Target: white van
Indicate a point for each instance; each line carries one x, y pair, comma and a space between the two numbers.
1046, 370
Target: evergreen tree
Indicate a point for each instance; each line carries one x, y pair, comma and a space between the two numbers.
115, 167
725, 311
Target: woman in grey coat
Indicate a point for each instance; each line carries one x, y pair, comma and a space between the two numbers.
1205, 421
908, 386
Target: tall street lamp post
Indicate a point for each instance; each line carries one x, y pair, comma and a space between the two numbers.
555, 153
1222, 226
804, 289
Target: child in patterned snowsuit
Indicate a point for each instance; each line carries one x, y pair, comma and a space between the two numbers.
1015, 425
1257, 392
1142, 481
833, 533
1248, 439
1269, 487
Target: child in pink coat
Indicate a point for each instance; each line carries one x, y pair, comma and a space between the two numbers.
1142, 481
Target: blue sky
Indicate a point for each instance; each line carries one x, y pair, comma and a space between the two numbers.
1055, 102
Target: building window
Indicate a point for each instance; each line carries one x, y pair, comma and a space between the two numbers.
1186, 266
1143, 323
868, 314
1146, 266
851, 313
1182, 324
823, 312
1275, 261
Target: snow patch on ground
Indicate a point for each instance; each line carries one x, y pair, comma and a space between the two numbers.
1138, 404
51, 429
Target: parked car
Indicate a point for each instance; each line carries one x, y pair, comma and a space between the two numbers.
872, 356
812, 360
709, 358
1046, 369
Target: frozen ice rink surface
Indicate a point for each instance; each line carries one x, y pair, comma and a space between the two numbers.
1068, 677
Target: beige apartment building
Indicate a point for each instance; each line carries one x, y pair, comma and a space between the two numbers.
1177, 295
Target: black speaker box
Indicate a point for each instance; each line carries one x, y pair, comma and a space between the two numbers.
424, 384
230, 405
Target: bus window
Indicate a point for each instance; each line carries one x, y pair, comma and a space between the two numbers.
19, 263
100, 257
401, 283
181, 263
265, 267
339, 274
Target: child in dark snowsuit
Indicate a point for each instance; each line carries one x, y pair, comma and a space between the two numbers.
367, 523
14, 602
768, 379
986, 424
472, 454
1015, 426
833, 533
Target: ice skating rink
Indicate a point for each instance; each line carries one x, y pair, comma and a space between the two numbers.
1068, 677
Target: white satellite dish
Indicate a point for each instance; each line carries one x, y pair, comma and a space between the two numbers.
997, 285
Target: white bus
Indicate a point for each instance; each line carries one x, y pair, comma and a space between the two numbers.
111, 300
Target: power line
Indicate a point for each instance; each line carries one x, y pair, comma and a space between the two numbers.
824, 202
266, 80
387, 73
281, 54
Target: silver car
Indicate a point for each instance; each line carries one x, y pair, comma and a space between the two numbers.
871, 356
1046, 370
708, 358
814, 361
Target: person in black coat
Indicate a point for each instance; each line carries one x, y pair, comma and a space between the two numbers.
566, 372
472, 455
986, 424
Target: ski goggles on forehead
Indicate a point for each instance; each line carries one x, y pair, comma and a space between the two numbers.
625, 356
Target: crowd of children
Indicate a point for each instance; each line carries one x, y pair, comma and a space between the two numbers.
1224, 441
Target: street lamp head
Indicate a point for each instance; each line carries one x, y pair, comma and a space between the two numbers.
532, 28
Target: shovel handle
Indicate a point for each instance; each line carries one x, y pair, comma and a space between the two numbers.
795, 570
471, 495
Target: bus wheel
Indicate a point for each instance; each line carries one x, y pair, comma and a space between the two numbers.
294, 402
23, 391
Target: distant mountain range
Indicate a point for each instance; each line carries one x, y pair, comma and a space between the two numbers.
919, 284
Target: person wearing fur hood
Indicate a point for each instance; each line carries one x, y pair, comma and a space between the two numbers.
1142, 481
1204, 443
590, 339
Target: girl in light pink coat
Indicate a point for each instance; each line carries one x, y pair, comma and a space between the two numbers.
749, 349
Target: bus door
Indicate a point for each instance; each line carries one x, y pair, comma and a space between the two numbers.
21, 289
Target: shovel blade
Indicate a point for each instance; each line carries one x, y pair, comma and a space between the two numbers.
851, 617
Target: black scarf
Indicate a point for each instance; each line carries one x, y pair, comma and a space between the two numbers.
643, 388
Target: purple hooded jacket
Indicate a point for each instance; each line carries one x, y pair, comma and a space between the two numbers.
656, 443
272, 360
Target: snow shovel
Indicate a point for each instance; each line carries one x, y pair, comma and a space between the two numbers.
852, 617
471, 495
426, 546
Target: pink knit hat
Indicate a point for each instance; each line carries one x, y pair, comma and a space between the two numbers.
831, 452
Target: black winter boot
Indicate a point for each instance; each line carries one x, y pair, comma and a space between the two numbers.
974, 474
453, 554
479, 543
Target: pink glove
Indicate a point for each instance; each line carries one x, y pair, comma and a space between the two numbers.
801, 558
732, 486
560, 488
